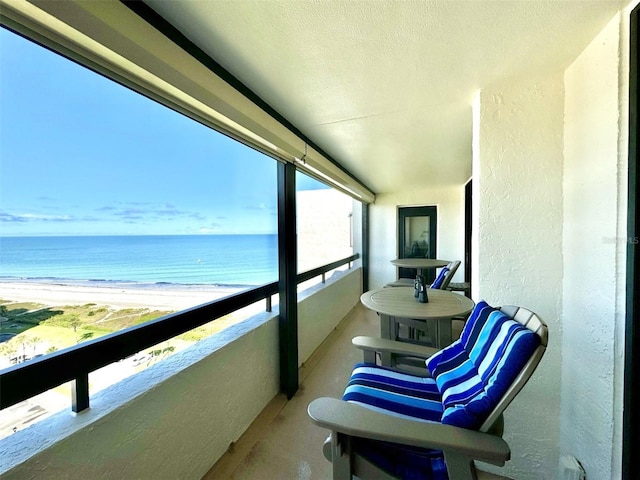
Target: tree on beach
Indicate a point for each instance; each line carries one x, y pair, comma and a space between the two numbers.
74, 322
5, 349
34, 341
26, 343
85, 336
167, 350
10, 348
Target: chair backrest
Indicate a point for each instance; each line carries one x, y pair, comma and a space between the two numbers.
530, 320
479, 374
452, 267
444, 277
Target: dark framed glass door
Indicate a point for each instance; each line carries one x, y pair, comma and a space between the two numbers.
468, 222
417, 233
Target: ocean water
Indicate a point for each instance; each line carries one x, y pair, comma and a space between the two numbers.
225, 260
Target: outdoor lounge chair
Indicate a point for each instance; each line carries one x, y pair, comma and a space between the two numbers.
396, 425
444, 276
441, 282
447, 275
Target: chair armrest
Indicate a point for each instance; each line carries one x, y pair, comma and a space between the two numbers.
383, 345
358, 421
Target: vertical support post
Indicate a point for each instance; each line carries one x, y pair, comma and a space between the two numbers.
80, 393
365, 247
288, 271
631, 412
269, 307
324, 278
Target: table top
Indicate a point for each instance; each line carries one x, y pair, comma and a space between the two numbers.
400, 302
420, 262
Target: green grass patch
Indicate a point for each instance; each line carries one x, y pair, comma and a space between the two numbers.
41, 329
210, 328
13, 310
128, 317
47, 336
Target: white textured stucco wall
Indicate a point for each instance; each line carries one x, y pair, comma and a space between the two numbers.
517, 171
383, 229
171, 420
176, 418
594, 253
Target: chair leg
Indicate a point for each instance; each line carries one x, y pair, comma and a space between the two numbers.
369, 356
341, 456
460, 466
412, 333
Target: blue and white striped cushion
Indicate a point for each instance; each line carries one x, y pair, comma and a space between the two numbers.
437, 283
403, 461
395, 393
507, 354
474, 372
445, 359
404, 396
467, 380
459, 378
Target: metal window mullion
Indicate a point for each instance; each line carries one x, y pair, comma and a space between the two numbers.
365, 247
288, 271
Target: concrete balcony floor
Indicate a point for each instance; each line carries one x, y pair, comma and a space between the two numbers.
282, 442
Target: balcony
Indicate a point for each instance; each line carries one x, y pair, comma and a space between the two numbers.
175, 421
553, 226
282, 442
189, 408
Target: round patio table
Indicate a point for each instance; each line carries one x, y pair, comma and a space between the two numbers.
420, 263
400, 303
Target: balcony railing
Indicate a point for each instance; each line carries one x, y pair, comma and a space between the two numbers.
26, 380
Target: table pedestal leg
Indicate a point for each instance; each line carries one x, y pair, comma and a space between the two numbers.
387, 330
443, 332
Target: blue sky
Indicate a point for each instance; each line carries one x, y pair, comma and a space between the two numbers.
82, 155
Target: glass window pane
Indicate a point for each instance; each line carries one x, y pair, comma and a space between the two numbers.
116, 210
416, 236
102, 187
325, 223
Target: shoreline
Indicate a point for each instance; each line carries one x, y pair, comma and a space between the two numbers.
154, 296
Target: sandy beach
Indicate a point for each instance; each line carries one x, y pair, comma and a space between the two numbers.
118, 296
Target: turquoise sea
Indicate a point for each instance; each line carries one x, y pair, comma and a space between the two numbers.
224, 260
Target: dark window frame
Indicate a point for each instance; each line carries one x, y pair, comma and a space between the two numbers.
631, 425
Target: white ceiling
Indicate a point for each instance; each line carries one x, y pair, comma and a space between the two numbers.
385, 87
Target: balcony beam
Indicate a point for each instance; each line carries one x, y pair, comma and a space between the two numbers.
80, 393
